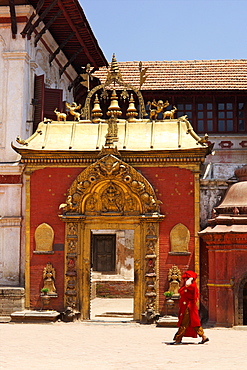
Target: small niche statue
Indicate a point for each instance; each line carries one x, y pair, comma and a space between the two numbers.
174, 278
49, 279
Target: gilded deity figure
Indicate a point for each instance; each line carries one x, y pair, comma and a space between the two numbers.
159, 108
174, 277
111, 199
49, 279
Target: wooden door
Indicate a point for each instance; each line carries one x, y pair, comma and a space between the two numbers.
104, 252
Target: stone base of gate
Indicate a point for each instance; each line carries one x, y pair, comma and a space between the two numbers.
11, 299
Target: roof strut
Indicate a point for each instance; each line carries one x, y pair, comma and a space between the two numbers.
79, 38
61, 46
62, 70
13, 18
37, 22
48, 24
29, 22
73, 83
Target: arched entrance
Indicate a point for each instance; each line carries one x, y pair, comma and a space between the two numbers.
111, 195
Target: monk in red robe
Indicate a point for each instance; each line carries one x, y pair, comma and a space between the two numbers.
188, 317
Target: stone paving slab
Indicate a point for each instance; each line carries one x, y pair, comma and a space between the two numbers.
116, 346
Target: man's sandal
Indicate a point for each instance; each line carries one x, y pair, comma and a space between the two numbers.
204, 341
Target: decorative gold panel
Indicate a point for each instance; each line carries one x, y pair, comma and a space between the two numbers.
151, 262
44, 236
179, 238
71, 280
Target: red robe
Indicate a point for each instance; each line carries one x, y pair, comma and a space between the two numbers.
188, 298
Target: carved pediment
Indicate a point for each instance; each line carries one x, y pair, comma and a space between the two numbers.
111, 186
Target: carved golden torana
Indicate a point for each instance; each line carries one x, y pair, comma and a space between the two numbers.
110, 185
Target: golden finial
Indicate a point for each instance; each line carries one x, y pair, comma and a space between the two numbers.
96, 111
114, 74
114, 109
114, 64
131, 111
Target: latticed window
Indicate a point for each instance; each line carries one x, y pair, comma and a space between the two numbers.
215, 117
241, 117
225, 117
204, 117
185, 108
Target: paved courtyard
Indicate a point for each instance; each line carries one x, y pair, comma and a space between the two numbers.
116, 345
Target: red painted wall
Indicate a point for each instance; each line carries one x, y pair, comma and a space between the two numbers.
48, 190
175, 188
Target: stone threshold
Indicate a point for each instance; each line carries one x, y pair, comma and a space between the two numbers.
34, 316
4, 319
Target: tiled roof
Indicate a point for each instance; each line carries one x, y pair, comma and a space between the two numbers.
185, 75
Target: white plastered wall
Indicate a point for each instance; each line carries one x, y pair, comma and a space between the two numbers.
20, 60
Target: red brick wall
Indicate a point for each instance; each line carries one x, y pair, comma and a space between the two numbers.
48, 190
10, 179
114, 289
175, 188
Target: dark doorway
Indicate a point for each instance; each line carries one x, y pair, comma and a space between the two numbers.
245, 304
104, 252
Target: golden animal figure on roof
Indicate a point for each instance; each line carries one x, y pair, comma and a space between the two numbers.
60, 116
72, 110
159, 108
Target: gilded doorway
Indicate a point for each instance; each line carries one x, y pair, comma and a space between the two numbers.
111, 195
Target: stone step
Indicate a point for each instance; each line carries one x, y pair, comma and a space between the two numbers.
34, 316
4, 319
116, 314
